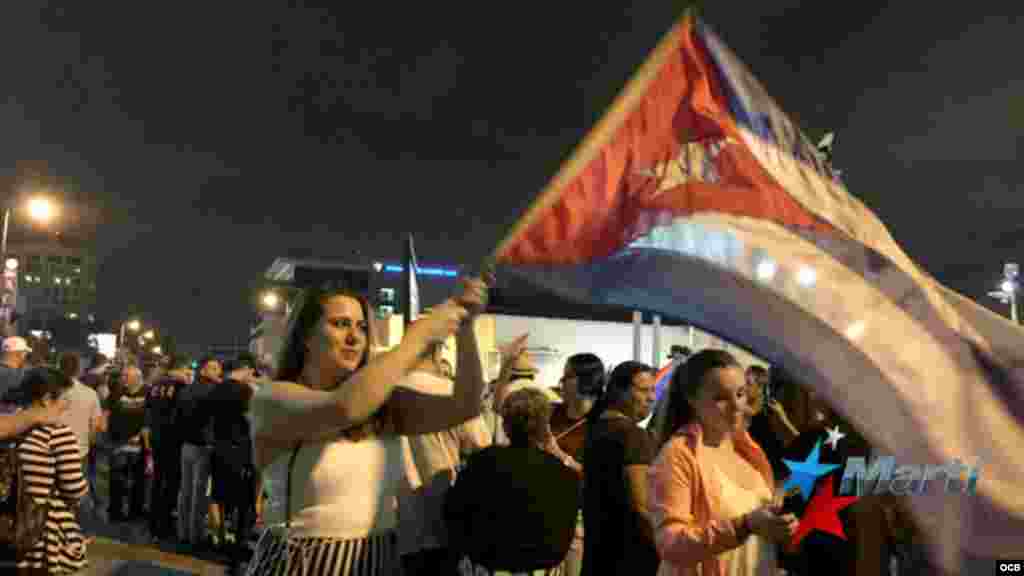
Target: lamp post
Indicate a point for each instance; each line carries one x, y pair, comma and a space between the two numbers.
1007, 292
39, 209
272, 302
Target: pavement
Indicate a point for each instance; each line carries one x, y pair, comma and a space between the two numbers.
128, 548
110, 557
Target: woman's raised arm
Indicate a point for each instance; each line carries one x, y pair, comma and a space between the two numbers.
284, 412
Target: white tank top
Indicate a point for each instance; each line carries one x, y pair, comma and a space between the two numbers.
340, 489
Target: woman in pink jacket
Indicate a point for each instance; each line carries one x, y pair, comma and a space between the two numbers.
712, 491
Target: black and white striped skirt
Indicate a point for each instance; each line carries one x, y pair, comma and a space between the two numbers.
280, 555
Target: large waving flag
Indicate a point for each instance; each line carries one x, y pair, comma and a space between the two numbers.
697, 198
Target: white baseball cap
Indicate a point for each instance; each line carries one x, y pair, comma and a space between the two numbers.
16, 344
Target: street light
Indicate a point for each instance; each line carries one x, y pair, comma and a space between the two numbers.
149, 335
1007, 293
157, 350
39, 208
134, 325
271, 300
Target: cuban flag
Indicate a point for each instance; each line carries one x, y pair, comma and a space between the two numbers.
664, 377
697, 198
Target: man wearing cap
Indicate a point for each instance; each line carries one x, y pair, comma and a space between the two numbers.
12, 365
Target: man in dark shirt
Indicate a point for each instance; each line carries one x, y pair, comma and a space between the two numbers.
618, 535
127, 409
192, 422
166, 442
234, 477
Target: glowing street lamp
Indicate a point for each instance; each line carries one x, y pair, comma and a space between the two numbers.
271, 300
40, 209
134, 325
157, 350
1007, 293
149, 335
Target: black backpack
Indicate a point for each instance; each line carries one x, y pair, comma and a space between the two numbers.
22, 518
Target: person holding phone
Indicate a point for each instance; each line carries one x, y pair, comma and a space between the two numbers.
712, 490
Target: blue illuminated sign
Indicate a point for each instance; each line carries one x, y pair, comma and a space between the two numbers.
424, 270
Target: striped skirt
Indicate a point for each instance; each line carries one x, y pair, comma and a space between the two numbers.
279, 555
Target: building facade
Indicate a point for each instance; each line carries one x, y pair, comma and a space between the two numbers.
557, 327
55, 282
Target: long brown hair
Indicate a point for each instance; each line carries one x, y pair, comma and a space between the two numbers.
686, 382
308, 311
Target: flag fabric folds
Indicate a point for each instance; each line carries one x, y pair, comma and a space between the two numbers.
697, 198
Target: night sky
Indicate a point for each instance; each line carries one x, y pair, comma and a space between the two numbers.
206, 141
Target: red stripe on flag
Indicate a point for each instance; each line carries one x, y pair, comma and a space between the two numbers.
602, 207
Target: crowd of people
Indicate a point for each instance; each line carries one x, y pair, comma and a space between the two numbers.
169, 449
391, 463
368, 462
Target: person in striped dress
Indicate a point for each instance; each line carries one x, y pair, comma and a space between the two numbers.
49, 456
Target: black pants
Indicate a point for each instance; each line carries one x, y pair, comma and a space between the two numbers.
127, 468
243, 532
166, 484
440, 561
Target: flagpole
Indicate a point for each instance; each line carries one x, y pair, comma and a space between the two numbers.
595, 140
638, 342
410, 301
656, 344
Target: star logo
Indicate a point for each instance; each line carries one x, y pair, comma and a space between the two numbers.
834, 436
805, 473
823, 513
695, 162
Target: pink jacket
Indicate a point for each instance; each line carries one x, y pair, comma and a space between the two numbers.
684, 504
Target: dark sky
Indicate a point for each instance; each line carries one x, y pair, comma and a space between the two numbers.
209, 140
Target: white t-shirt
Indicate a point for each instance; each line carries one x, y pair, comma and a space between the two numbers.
84, 409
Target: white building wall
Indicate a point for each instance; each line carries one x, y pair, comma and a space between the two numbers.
553, 341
